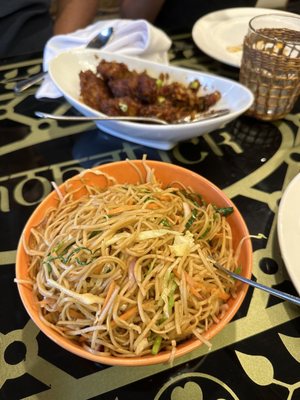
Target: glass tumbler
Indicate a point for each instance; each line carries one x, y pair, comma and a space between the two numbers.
270, 65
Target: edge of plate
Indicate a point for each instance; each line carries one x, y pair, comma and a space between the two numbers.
209, 52
284, 203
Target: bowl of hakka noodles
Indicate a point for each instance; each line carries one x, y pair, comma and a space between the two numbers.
115, 264
98, 84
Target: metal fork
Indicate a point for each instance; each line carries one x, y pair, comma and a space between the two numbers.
97, 42
274, 292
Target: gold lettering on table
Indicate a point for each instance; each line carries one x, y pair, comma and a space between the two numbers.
214, 146
4, 199
59, 172
228, 141
19, 192
180, 157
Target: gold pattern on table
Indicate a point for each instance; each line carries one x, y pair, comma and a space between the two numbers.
192, 389
260, 370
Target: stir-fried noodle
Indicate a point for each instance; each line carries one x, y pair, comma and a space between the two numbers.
124, 270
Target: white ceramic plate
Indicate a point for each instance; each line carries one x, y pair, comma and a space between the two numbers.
288, 229
64, 71
218, 32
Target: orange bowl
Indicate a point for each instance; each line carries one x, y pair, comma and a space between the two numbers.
125, 173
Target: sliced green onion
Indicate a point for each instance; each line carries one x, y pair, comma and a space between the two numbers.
204, 234
93, 233
60, 250
57, 248
49, 268
192, 219
195, 198
195, 85
67, 259
52, 258
156, 345
149, 198
82, 263
165, 222
171, 299
225, 211
161, 320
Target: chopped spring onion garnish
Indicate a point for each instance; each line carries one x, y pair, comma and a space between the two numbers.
225, 211
156, 345
195, 85
123, 107
191, 219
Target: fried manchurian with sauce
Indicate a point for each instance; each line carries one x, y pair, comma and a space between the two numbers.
115, 90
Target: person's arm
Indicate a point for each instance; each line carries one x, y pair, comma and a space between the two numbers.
145, 9
74, 14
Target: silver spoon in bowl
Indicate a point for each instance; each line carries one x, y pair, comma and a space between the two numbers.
97, 42
199, 117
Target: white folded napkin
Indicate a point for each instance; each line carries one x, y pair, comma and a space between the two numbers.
135, 38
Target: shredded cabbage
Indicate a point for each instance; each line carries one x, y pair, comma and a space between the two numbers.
155, 233
116, 237
182, 244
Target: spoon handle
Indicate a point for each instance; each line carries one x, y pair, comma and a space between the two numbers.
104, 118
26, 83
272, 291
153, 120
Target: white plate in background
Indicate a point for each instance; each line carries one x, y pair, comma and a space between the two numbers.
288, 229
64, 70
218, 32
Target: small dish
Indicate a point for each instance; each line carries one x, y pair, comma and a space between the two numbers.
64, 71
220, 34
288, 229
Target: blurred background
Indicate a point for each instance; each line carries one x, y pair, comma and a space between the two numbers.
110, 8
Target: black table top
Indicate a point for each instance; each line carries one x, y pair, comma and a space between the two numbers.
257, 355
